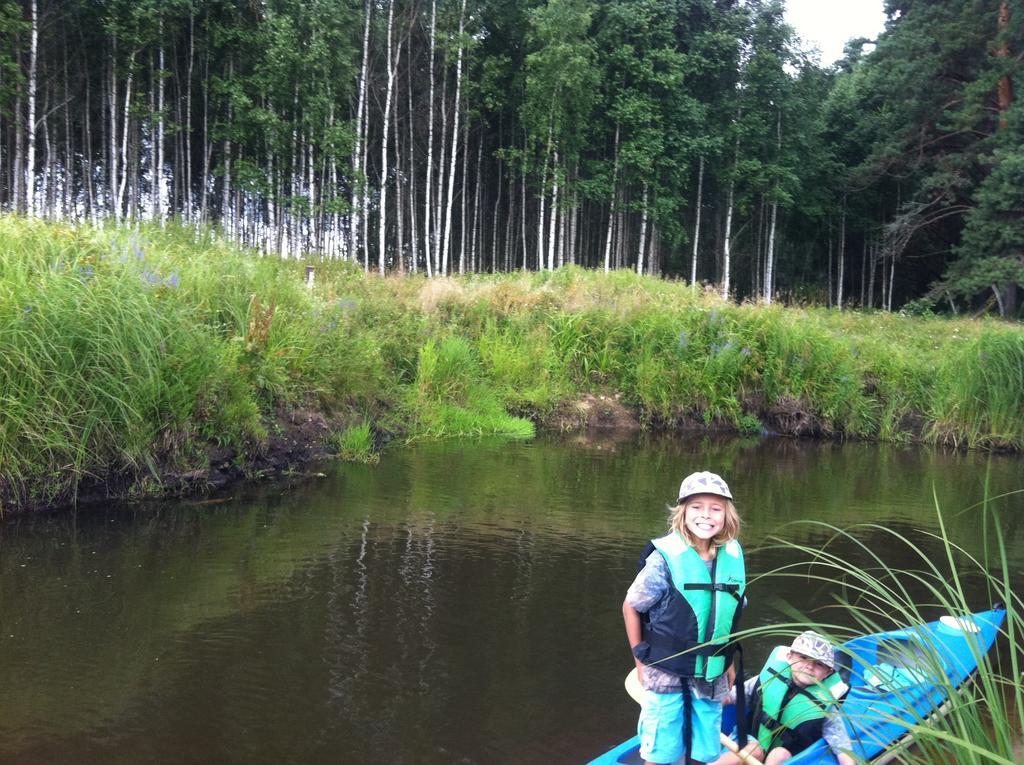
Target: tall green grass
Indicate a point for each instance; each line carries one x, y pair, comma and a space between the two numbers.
451, 396
124, 349
985, 721
981, 400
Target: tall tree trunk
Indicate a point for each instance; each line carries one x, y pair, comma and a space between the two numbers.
611, 205
696, 224
158, 148
494, 214
225, 202
392, 67
357, 207
30, 152
643, 233
727, 241
476, 241
842, 256
863, 269
126, 118
112, 172
574, 217
769, 272
769, 261
428, 229
187, 169
554, 212
522, 210
892, 279
413, 230
439, 190
463, 195
829, 239
207, 143
455, 138
400, 188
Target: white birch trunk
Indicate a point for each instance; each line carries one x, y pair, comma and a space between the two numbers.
769, 261
112, 172
465, 189
158, 148
643, 234
225, 202
522, 212
207, 146
392, 66
611, 205
554, 213
413, 232
30, 152
123, 161
542, 258
842, 257
494, 218
439, 190
696, 224
476, 246
427, 228
358, 150
727, 244
188, 118
455, 135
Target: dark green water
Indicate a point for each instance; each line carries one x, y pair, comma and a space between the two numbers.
451, 604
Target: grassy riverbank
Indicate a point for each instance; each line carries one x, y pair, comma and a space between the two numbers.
142, 361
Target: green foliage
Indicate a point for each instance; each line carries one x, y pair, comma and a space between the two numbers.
980, 400
355, 444
124, 351
451, 396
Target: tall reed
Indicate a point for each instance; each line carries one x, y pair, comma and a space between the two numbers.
985, 721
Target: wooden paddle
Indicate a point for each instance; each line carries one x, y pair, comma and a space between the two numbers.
636, 690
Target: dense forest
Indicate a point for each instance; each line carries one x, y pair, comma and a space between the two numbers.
697, 139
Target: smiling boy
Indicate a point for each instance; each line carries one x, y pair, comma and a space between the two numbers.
793, 702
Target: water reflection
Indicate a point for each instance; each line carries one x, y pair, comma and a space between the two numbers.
453, 604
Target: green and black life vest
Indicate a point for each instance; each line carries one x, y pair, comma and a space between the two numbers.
784, 713
703, 607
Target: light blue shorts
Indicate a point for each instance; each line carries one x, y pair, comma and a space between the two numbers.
661, 728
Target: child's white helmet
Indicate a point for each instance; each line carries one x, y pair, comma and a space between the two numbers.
703, 483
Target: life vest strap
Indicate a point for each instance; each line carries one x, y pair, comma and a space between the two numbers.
732, 589
791, 685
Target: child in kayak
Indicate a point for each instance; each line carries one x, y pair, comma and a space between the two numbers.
792, 703
689, 592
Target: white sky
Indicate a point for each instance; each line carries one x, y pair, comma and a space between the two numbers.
828, 24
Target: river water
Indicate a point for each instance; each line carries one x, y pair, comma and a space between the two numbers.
452, 604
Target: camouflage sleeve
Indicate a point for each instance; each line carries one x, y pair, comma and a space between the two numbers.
834, 733
650, 584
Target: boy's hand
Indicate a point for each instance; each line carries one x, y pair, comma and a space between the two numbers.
845, 759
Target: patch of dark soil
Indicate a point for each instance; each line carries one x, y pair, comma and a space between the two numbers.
593, 412
296, 437
790, 417
914, 424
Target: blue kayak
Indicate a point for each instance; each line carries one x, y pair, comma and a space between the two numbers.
898, 679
